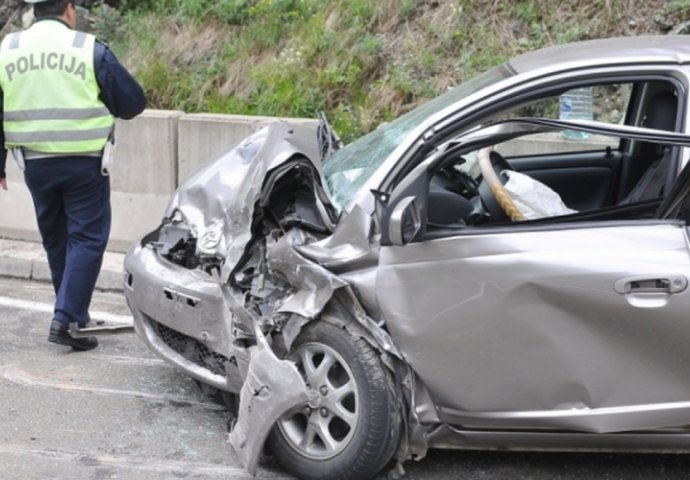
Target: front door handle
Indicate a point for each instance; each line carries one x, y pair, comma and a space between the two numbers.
651, 284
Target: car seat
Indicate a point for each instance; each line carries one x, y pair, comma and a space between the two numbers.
661, 115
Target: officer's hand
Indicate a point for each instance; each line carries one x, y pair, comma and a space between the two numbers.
3, 183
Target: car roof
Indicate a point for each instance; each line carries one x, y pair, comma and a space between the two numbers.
620, 50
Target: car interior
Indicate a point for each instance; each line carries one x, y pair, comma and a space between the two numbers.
598, 177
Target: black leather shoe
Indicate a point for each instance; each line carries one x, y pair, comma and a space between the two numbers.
59, 333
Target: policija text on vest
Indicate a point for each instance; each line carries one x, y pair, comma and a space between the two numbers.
51, 61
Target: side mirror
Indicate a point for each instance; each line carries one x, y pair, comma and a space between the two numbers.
405, 221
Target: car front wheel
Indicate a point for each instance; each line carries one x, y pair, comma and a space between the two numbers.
354, 429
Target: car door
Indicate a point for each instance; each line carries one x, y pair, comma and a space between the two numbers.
580, 326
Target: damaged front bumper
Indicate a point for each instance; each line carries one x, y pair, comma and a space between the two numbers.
168, 302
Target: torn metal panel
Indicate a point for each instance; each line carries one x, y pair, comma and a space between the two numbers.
217, 202
349, 242
292, 328
272, 388
347, 311
241, 322
314, 289
314, 284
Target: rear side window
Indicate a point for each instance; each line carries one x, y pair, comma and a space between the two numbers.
606, 103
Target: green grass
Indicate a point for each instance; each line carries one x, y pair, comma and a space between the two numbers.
362, 62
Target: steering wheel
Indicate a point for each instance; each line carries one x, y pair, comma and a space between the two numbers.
492, 191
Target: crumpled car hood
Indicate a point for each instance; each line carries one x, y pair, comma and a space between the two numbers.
217, 201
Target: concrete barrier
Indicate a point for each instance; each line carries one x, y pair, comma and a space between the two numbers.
552, 143
203, 137
144, 174
17, 215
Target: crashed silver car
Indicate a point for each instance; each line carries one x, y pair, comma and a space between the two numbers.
466, 276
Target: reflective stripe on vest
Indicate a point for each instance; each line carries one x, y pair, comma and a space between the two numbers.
51, 102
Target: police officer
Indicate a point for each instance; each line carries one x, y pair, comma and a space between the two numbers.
60, 90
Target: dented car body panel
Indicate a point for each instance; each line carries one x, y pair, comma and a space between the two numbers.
563, 332
539, 313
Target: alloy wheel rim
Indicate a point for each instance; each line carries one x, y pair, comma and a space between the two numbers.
324, 428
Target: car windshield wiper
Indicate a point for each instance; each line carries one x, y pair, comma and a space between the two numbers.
328, 140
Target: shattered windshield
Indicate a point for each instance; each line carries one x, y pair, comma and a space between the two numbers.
349, 168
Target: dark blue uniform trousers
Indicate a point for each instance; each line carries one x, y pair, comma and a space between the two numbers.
72, 202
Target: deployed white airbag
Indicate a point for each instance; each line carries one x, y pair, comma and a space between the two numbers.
533, 198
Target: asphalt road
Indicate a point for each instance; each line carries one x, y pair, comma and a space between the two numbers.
118, 412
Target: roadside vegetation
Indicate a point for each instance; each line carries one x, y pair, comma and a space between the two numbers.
361, 61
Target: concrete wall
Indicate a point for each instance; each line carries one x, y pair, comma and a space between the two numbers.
17, 217
550, 143
144, 174
155, 153
204, 136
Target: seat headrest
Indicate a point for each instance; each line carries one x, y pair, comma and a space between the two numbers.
661, 112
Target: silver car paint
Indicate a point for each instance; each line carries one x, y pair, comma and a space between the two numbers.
316, 284
302, 263
535, 318
160, 292
273, 387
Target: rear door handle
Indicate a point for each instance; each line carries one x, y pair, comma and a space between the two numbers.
651, 284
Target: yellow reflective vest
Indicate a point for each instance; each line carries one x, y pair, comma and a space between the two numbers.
51, 102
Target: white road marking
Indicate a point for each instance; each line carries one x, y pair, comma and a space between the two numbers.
135, 361
18, 376
150, 465
108, 318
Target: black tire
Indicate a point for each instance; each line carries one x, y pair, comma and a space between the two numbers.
370, 403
